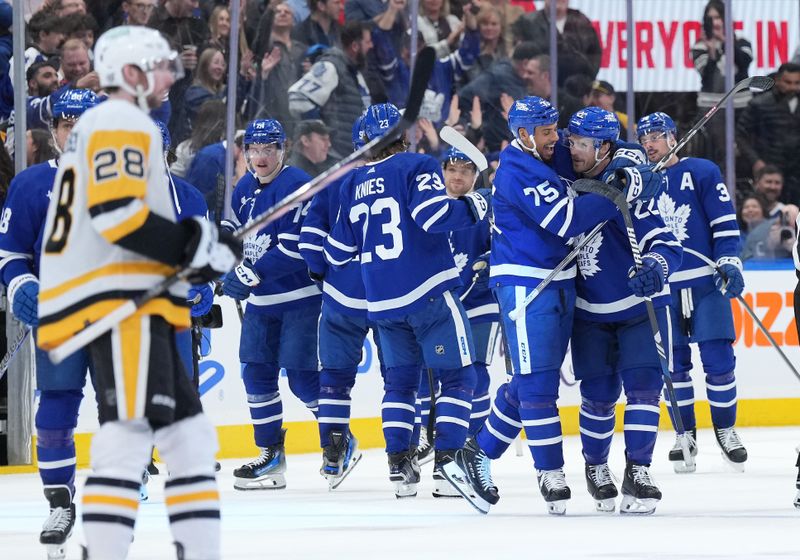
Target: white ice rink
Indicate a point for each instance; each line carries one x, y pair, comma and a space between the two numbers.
712, 514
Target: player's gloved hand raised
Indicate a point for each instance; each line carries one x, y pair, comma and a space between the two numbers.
639, 183
649, 279
202, 298
478, 202
211, 252
624, 157
728, 277
23, 293
240, 281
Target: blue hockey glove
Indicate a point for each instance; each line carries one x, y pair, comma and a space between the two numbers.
649, 279
203, 305
624, 157
478, 202
23, 293
239, 282
728, 277
639, 183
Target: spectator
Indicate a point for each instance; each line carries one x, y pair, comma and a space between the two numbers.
137, 12
209, 83
312, 141
82, 27
578, 45
509, 14
76, 66
66, 7
6, 44
43, 90
48, 33
774, 238
493, 46
42, 79
207, 171
335, 89
604, 96
322, 26
395, 70
40, 147
769, 185
439, 28
752, 213
219, 30
209, 130
768, 131
580, 87
538, 78
363, 10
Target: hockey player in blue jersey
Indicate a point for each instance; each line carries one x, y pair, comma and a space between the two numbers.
534, 218
279, 329
395, 217
697, 207
60, 386
343, 326
612, 341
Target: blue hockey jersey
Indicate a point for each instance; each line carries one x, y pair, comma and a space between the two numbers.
395, 215
697, 208
189, 201
343, 288
534, 217
273, 249
467, 245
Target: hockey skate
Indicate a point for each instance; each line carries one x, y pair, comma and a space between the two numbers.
58, 527
797, 482
470, 473
425, 447
601, 486
555, 491
339, 457
640, 495
404, 473
265, 472
441, 487
733, 452
143, 493
676, 453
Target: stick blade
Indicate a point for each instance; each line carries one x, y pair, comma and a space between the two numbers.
459, 142
761, 83
423, 69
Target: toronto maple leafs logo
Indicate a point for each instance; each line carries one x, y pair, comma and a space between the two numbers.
588, 257
256, 245
675, 218
461, 261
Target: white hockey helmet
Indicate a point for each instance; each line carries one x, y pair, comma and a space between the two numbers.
139, 46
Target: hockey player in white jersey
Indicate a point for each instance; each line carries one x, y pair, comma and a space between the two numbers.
535, 216
697, 207
395, 217
110, 235
612, 342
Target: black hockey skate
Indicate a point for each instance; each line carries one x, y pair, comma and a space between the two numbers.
265, 472
404, 473
58, 527
555, 491
425, 447
733, 452
601, 486
441, 486
676, 453
470, 473
640, 495
339, 457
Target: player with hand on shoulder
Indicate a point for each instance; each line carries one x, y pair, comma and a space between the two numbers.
698, 208
111, 234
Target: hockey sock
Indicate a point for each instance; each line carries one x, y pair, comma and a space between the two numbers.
641, 427
502, 426
110, 506
56, 419
266, 411
543, 431
304, 383
453, 407
334, 401
719, 363
596, 424
481, 401
684, 392
397, 409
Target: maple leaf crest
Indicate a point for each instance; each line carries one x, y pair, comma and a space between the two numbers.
256, 245
461, 261
587, 259
675, 218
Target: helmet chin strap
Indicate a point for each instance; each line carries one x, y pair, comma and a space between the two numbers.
533, 151
140, 93
597, 161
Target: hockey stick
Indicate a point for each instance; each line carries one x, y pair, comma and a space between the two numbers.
756, 83
431, 425
749, 310
15, 346
219, 208
419, 83
618, 198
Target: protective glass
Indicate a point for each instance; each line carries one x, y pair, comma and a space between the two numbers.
652, 137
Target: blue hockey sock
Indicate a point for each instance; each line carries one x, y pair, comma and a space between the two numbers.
502, 426
453, 407
398, 410
481, 401
334, 401
55, 421
641, 428
684, 393
266, 411
543, 430
596, 424
721, 391
304, 384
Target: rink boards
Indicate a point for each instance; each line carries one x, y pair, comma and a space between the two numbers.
768, 391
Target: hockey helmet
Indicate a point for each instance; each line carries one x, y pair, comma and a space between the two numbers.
358, 133
656, 122
596, 123
379, 118
453, 155
264, 131
530, 112
73, 103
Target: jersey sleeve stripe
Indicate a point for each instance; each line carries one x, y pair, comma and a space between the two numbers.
289, 253
435, 218
333, 261
554, 212
289, 236
109, 206
568, 219
725, 218
429, 202
109, 271
313, 230
730, 233
309, 247
650, 235
341, 246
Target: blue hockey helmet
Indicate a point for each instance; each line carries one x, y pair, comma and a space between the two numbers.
656, 122
596, 123
453, 155
264, 131
530, 112
73, 103
379, 118
166, 139
358, 133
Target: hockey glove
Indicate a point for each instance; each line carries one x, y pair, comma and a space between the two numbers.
23, 293
317, 277
478, 202
639, 183
649, 279
240, 281
728, 277
203, 305
211, 252
624, 157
